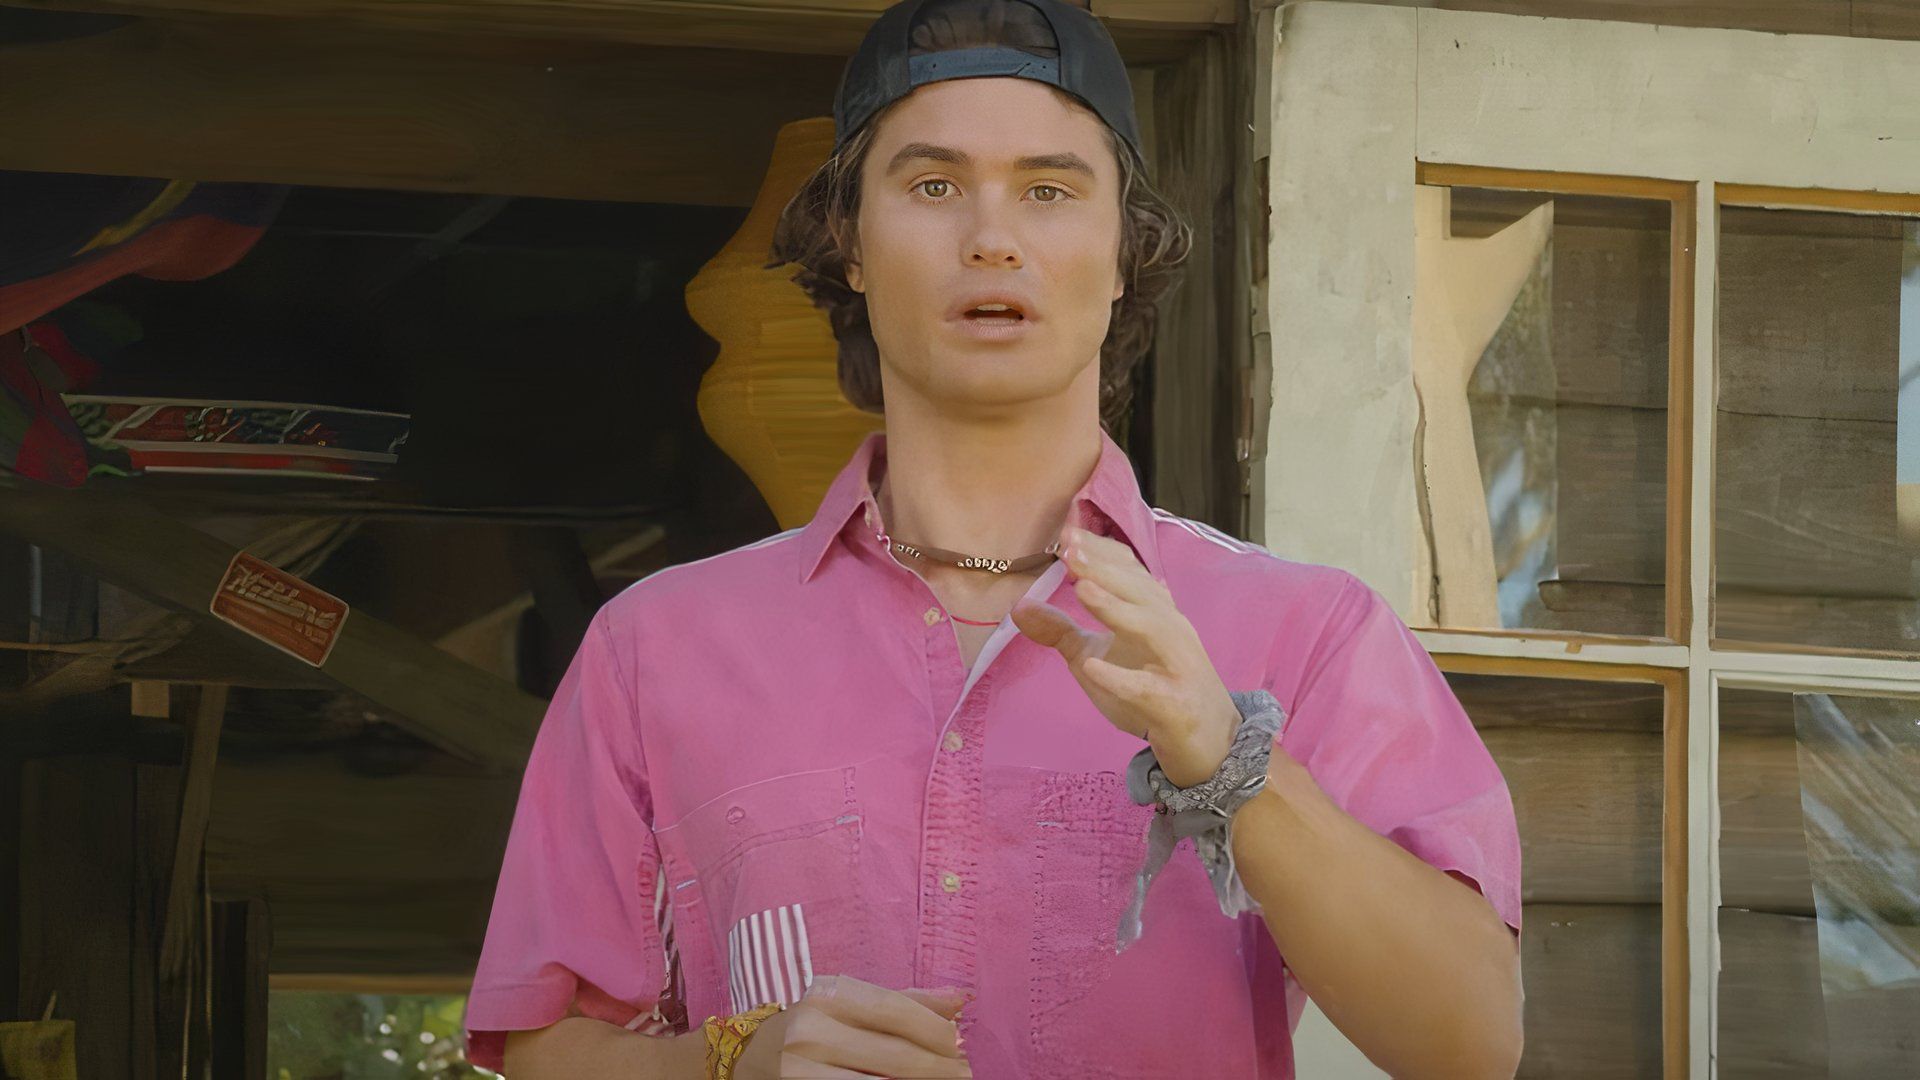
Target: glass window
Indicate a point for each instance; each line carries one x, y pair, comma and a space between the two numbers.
1820, 885
1541, 343
1817, 462
1583, 761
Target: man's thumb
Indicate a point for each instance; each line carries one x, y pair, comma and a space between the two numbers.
1043, 623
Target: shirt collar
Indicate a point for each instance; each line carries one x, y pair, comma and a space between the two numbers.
1108, 504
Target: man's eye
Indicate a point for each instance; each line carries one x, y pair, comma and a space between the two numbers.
1059, 194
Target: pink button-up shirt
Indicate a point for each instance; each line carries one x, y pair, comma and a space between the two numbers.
772, 764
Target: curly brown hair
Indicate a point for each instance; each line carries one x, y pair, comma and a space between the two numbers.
818, 225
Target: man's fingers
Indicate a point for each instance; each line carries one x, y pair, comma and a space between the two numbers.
1056, 630
831, 1041
1116, 568
793, 1065
1117, 613
944, 1004
1044, 623
890, 1012
1130, 684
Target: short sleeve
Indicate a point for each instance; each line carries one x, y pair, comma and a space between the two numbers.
1381, 731
578, 925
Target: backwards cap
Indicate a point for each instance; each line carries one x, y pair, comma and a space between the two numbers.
1089, 67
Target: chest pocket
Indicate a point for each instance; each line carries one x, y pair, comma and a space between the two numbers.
768, 876
1089, 838
1108, 1012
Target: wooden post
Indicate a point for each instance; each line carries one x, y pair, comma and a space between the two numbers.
77, 864
242, 939
172, 1026
196, 803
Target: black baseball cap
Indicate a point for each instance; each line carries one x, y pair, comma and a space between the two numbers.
881, 70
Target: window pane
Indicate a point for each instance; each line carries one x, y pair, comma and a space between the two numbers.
1817, 467
1583, 762
1820, 885
1541, 339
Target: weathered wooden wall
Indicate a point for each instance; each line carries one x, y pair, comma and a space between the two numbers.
362, 874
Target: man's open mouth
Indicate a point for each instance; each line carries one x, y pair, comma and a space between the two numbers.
995, 311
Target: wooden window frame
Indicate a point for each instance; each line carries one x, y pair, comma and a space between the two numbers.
1690, 663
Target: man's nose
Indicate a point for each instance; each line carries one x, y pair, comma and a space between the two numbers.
992, 241
995, 253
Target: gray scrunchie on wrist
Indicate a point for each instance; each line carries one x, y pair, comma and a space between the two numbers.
1204, 811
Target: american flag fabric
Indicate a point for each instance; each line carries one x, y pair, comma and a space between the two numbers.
768, 958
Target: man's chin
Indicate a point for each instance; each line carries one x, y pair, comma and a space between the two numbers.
1011, 391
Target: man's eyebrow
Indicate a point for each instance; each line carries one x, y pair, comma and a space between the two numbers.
1068, 162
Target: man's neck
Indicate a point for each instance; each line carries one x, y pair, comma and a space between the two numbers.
1001, 492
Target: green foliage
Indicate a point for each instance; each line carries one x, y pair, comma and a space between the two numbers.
317, 1035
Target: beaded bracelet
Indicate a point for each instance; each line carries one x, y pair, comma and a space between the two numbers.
727, 1038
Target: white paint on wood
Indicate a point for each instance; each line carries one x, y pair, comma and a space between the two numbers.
1468, 643
1703, 704
1736, 106
1339, 459
1353, 86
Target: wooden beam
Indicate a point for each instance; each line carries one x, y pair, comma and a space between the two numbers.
624, 114
273, 102
372, 983
1856, 202
1895, 19
157, 647
151, 698
190, 840
1676, 996
209, 656
826, 27
441, 699
393, 499
96, 669
1886, 19
565, 594
1831, 17
163, 1003
1568, 183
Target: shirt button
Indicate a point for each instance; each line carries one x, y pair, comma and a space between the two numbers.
950, 881
954, 741
932, 616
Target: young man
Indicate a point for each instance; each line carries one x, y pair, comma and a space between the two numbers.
839, 781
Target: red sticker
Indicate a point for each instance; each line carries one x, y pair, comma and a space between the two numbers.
279, 609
